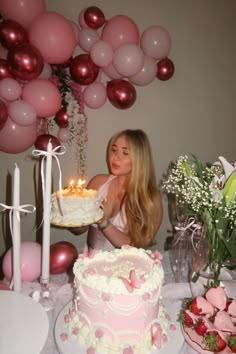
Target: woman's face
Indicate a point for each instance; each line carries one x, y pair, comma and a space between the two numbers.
119, 157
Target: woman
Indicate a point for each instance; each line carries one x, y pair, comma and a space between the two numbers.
132, 204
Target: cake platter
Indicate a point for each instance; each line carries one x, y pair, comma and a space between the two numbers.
174, 344
24, 324
82, 224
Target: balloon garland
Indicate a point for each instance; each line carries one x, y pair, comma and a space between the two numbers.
42, 85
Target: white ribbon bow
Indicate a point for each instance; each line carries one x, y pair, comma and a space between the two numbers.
20, 208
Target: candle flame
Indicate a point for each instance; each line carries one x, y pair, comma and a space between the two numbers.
81, 182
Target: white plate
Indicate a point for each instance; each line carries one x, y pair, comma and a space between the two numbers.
174, 344
23, 324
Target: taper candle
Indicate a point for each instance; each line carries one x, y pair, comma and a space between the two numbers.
46, 217
16, 233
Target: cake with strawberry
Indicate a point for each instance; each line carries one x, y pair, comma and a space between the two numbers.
209, 321
116, 306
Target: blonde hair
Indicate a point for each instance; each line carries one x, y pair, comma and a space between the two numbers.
141, 188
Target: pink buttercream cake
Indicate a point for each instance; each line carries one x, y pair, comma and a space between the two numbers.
116, 307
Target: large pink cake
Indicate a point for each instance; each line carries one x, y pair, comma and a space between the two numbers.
116, 307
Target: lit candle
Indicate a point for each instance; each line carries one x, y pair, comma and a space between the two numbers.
79, 186
46, 217
16, 237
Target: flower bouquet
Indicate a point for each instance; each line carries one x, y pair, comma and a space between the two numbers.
208, 193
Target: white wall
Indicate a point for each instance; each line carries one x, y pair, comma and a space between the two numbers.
193, 112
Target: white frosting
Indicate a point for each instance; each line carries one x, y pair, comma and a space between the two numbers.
75, 207
107, 315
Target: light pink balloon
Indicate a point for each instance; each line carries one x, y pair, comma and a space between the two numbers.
95, 95
10, 89
147, 73
87, 38
81, 19
43, 95
120, 29
111, 72
15, 138
22, 11
156, 42
101, 53
3, 52
22, 113
128, 59
63, 135
54, 37
30, 260
76, 31
46, 73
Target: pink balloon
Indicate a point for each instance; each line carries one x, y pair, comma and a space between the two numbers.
30, 260
111, 72
4, 286
15, 138
22, 113
128, 59
22, 11
11, 33
43, 95
120, 29
62, 256
10, 89
54, 37
25, 61
87, 38
147, 73
3, 114
95, 95
46, 73
76, 31
94, 17
63, 135
121, 93
156, 42
101, 53
81, 19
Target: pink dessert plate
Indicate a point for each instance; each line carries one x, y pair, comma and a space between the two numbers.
194, 340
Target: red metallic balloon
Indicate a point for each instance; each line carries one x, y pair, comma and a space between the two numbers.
42, 141
94, 17
4, 286
165, 69
25, 61
62, 257
4, 70
12, 33
3, 114
62, 118
83, 70
121, 93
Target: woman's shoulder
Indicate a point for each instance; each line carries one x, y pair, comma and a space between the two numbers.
97, 181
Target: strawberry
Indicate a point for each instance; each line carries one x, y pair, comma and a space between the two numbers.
185, 319
214, 341
229, 302
232, 342
200, 327
194, 307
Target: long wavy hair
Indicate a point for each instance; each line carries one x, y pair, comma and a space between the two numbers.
141, 188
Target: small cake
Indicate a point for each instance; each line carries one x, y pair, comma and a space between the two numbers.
75, 206
116, 307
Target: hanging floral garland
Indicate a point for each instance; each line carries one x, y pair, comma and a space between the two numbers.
70, 119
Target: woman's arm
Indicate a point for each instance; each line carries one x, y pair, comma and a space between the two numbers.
113, 234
